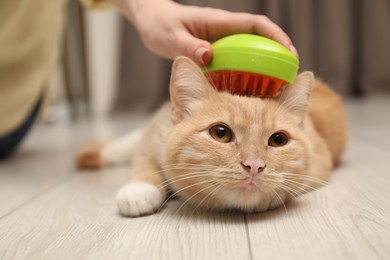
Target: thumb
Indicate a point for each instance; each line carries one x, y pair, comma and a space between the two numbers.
198, 50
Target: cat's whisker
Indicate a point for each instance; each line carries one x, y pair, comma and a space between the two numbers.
280, 199
193, 164
305, 181
285, 180
217, 188
293, 190
293, 193
212, 185
162, 171
273, 176
296, 182
305, 177
191, 175
193, 171
175, 179
310, 180
184, 167
304, 187
180, 190
287, 175
317, 189
226, 170
298, 185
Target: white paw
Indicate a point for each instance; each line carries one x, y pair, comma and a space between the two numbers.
138, 198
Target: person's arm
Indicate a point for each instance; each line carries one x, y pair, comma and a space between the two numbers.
170, 29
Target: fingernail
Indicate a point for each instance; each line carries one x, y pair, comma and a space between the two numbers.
201, 55
294, 51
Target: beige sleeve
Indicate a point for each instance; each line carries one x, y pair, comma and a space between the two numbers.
96, 4
30, 40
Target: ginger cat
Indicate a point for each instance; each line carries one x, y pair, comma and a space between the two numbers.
224, 151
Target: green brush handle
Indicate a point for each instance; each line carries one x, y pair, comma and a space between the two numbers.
253, 53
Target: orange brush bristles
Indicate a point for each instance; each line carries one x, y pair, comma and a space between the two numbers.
245, 83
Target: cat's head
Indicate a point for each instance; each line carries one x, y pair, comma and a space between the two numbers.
234, 152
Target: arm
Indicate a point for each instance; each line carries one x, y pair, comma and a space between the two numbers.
170, 29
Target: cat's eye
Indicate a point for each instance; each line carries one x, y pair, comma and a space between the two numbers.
221, 133
278, 139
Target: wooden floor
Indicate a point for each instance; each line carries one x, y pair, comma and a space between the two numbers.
49, 210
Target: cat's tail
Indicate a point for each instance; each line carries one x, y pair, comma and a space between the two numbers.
95, 155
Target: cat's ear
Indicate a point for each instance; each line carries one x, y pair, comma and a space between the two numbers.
296, 96
187, 84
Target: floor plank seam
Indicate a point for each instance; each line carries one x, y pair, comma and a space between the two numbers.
39, 194
248, 237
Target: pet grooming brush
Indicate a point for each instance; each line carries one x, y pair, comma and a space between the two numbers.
251, 65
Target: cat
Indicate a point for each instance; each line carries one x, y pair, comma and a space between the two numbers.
228, 152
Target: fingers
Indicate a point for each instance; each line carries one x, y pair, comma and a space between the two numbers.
225, 23
202, 55
188, 30
196, 49
264, 26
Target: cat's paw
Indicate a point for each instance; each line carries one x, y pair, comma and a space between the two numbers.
139, 198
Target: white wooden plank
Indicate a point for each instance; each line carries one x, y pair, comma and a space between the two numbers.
79, 220
39, 165
45, 158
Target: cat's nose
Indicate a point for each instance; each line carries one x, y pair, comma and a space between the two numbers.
253, 166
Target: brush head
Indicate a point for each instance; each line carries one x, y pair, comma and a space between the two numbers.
251, 65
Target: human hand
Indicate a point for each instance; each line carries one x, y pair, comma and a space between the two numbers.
170, 29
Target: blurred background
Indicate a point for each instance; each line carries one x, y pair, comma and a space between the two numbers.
105, 68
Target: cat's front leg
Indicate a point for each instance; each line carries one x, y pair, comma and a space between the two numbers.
144, 195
